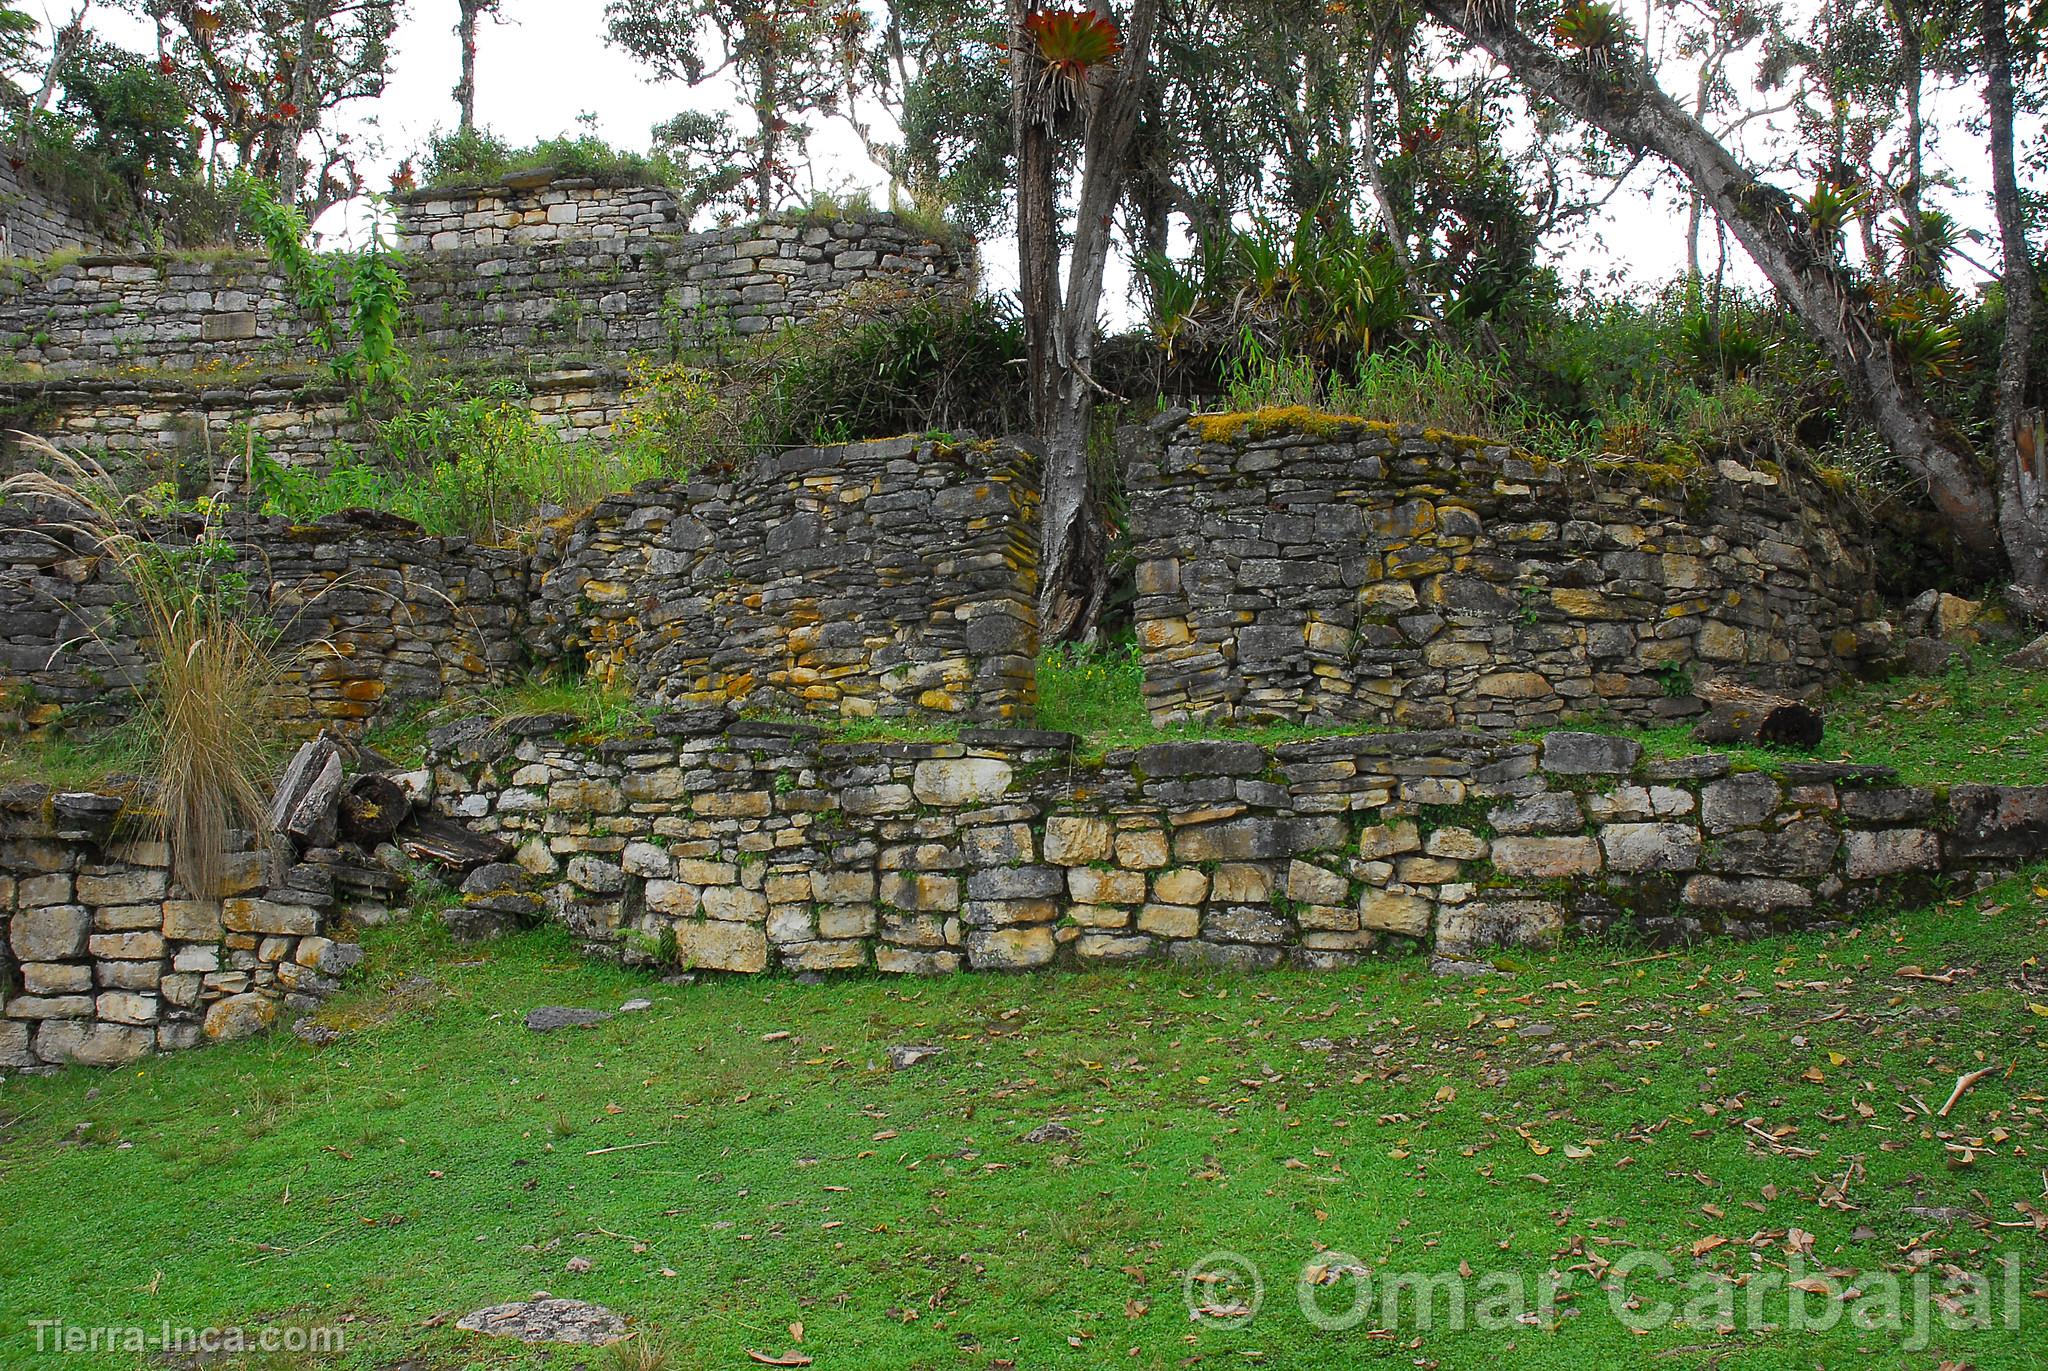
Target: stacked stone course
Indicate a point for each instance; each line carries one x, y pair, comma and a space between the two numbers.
379, 614
1297, 567
741, 847
873, 579
891, 578
104, 958
34, 223
573, 295
542, 208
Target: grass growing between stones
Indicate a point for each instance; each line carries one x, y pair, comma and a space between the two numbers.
737, 1159
1987, 722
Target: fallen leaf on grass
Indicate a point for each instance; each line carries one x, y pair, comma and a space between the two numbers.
764, 1359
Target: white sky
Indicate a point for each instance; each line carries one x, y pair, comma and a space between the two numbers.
549, 63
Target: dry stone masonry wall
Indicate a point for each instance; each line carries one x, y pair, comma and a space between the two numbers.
157, 425
874, 579
104, 958
150, 426
35, 224
891, 579
741, 847
1297, 567
540, 209
578, 295
380, 615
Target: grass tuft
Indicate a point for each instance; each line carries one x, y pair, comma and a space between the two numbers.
210, 697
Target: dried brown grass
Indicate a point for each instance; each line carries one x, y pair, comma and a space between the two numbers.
210, 697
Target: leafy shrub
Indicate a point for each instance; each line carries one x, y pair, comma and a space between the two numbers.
1321, 291
479, 465
365, 356
477, 157
887, 361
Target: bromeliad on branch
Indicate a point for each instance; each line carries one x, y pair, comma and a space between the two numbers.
1072, 44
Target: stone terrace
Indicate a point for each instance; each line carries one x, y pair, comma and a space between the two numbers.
735, 846
1298, 567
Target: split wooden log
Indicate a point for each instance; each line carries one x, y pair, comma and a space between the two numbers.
430, 837
304, 808
372, 808
1739, 714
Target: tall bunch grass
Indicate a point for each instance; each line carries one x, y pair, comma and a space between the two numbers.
209, 698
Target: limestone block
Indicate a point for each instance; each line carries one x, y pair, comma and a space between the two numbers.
1181, 885
722, 946
1091, 886
1890, 852
50, 933
76, 1042
240, 1016
1075, 840
1141, 849
1170, 921
996, 844
1242, 883
245, 915
962, 781
56, 978
1389, 840
1463, 930
1311, 884
1010, 949
1387, 912
1589, 754
1651, 847
1544, 859
1742, 801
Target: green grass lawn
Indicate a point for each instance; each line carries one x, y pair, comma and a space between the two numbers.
1716, 1109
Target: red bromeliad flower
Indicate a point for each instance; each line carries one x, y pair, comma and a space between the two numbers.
288, 110
1073, 43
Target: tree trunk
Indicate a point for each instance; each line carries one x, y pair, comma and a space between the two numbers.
1911, 59
2019, 437
1737, 714
1627, 105
465, 89
1038, 254
771, 136
61, 47
1376, 182
1071, 592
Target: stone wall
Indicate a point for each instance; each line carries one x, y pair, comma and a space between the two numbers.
541, 208
1297, 567
662, 293
580, 296
884, 578
103, 958
34, 223
381, 615
876, 579
742, 847
156, 423
171, 313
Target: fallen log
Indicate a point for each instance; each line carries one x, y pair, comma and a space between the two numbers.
430, 837
1740, 714
372, 808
